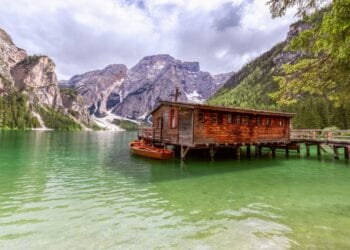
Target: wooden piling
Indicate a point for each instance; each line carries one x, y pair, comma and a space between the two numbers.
273, 150
336, 152
248, 151
346, 152
318, 149
184, 151
238, 152
212, 151
287, 151
307, 149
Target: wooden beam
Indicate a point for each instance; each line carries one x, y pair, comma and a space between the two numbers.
256, 151
287, 151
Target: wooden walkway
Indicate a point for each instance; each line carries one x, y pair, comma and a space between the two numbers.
333, 139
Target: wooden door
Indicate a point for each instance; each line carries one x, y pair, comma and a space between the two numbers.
185, 126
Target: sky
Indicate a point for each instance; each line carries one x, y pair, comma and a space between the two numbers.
83, 35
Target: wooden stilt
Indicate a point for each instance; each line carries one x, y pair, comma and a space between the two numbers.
184, 151
273, 150
238, 152
307, 149
346, 152
287, 151
336, 152
318, 150
298, 148
248, 151
260, 151
256, 151
212, 151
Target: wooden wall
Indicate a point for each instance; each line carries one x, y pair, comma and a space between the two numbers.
248, 130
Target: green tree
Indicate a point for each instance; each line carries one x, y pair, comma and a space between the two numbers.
325, 72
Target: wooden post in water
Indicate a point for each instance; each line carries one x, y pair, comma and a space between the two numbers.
318, 149
307, 149
336, 152
273, 149
238, 152
212, 151
256, 151
287, 151
248, 151
184, 151
346, 152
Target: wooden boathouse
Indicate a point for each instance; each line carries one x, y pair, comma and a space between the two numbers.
190, 126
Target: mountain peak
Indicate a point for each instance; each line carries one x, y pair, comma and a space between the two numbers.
158, 57
6, 37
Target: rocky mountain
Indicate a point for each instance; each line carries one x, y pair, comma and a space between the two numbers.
134, 92
10, 55
28, 84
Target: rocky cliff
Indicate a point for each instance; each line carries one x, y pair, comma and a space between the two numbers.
135, 92
36, 76
96, 86
10, 55
32, 81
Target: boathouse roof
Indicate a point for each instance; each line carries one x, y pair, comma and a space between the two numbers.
222, 108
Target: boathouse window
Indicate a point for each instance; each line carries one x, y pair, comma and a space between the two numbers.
220, 118
229, 118
281, 122
268, 121
258, 120
201, 117
238, 119
247, 120
214, 117
173, 120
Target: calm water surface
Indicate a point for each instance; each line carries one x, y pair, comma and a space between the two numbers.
83, 190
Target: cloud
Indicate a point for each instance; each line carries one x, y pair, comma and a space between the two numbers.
82, 35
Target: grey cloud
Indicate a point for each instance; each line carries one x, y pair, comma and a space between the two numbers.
197, 36
138, 3
228, 15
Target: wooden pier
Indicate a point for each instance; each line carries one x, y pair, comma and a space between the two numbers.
334, 140
331, 141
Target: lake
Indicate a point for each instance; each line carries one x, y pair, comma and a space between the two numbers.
83, 190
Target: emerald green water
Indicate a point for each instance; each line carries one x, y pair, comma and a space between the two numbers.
83, 190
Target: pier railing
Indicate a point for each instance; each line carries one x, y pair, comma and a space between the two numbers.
150, 133
320, 135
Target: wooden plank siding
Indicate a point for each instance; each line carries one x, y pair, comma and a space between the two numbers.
198, 125
247, 131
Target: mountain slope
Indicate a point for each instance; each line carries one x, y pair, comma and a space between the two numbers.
134, 92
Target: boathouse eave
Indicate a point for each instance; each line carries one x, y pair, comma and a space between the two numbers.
222, 108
